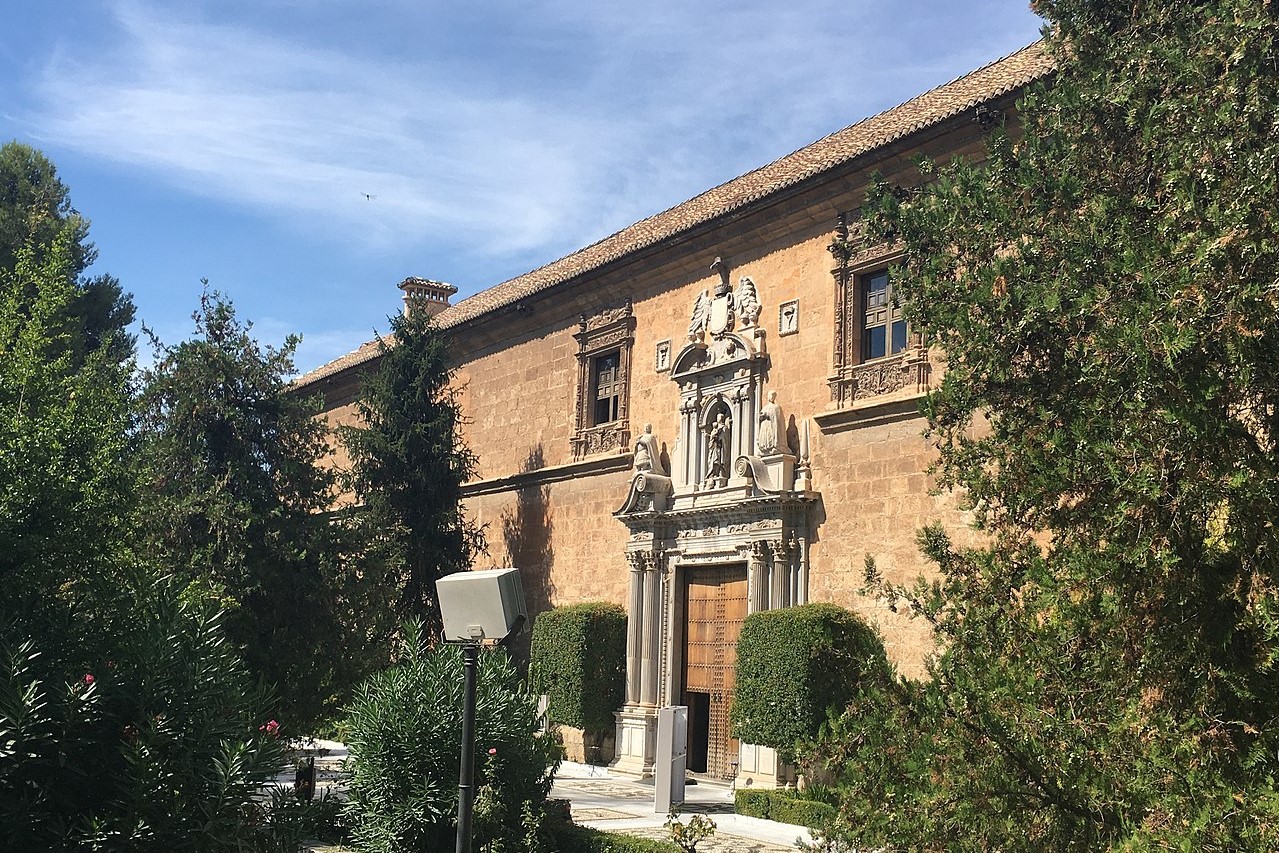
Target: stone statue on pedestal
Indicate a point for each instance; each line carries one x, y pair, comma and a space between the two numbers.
647, 455
770, 436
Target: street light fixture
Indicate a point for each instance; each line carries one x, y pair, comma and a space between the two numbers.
478, 608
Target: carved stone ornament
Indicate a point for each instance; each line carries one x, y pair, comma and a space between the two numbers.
598, 334
727, 310
770, 434
607, 317
908, 371
603, 439
788, 318
648, 453
717, 445
662, 357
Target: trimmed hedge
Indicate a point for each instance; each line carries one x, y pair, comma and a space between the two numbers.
784, 807
796, 664
578, 659
581, 839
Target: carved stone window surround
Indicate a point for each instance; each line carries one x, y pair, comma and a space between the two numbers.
608, 331
854, 380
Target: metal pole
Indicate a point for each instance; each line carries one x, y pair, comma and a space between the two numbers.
466, 775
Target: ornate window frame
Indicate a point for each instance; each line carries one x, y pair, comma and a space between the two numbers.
608, 331
854, 380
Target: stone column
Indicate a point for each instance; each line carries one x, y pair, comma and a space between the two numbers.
780, 588
757, 578
744, 441
689, 467
801, 571
637, 721
652, 629
634, 629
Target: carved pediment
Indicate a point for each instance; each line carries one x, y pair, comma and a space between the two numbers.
720, 353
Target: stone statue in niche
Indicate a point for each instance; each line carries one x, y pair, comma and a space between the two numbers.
770, 436
716, 450
647, 454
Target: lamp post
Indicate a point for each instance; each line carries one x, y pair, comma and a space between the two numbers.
466, 774
478, 608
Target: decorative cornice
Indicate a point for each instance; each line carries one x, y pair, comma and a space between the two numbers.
595, 465
871, 414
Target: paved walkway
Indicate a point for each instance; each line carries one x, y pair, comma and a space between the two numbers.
618, 805
602, 801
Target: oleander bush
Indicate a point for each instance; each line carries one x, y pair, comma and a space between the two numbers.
795, 666
578, 659
151, 737
403, 729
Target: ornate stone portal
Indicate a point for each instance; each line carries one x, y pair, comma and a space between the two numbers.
732, 515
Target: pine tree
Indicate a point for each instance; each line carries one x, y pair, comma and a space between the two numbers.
236, 501
35, 216
1105, 289
409, 463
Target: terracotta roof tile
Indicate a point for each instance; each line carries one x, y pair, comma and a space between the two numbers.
936, 105
365, 352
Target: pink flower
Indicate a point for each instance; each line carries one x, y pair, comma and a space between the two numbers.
270, 727
493, 750
88, 678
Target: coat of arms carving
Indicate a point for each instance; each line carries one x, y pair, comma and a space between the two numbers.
727, 310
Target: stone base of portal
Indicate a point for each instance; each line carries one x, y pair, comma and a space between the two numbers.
761, 767
636, 742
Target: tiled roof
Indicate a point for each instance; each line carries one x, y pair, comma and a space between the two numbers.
365, 353
936, 105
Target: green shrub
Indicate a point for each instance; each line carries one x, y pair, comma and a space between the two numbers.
404, 731
796, 664
784, 807
801, 812
151, 737
292, 820
752, 802
578, 659
581, 839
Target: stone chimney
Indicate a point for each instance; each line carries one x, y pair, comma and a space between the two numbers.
423, 294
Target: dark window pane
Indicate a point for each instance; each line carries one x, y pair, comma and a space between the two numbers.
606, 410
876, 290
606, 370
899, 336
875, 342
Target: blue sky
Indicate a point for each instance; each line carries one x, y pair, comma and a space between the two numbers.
238, 140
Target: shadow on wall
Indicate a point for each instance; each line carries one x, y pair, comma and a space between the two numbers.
526, 531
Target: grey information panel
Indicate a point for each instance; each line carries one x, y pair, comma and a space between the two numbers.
672, 758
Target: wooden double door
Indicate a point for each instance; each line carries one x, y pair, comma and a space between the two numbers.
715, 602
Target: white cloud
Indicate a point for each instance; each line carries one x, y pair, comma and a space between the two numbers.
498, 147
253, 119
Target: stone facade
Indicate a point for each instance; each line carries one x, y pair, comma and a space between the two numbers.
687, 321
